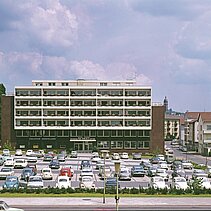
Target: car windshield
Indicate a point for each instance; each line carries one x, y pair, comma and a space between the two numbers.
11, 179
63, 180
46, 170
180, 179
19, 161
27, 170
87, 179
6, 170
35, 179
158, 179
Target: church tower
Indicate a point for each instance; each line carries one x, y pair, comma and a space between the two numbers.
165, 103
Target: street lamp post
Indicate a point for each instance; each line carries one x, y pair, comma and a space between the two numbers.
104, 152
117, 169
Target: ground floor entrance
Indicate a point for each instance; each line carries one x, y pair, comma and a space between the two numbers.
83, 146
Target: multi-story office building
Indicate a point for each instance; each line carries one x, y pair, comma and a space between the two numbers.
84, 115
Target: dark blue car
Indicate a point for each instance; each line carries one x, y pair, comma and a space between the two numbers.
111, 182
54, 164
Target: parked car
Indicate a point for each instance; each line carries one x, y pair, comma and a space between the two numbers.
95, 158
162, 173
29, 152
32, 158
63, 182
2, 160
124, 155
9, 162
65, 171
107, 172
18, 152
33, 166
115, 156
163, 164
61, 157
157, 182
138, 171
54, 164
204, 182
6, 152
73, 154
208, 171
111, 182
99, 163
35, 182
179, 173
4, 206
48, 157
11, 182
179, 183
6, 171
26, 173
124, 174
87, 182
151, 172
46, 173
136, 156
20, 163
199, 173
85, 164
86, 172
38, 154
187, 164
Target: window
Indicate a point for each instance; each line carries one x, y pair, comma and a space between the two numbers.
130, 144
62, 133
103, 144
35, 133
116, 144
49, 133
208, 127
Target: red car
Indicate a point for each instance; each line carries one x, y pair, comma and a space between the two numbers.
65, 171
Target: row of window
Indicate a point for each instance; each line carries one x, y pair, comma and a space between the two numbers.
82, 112
83, 123
83, 133
84, 103
91, 92
123, 144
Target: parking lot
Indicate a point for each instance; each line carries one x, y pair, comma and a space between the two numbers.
74, 163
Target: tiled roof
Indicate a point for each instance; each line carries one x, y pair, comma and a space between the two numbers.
206, 116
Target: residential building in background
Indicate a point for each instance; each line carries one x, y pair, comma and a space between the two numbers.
2, 92
84, 115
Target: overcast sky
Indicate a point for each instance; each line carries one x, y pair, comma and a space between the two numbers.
162, 43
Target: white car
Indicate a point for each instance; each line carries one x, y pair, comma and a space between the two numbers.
157, 182
46, 174
115, 156
29, 152
187, 164
163, 164
4, 206
6, 171
205, 183
18, 152
95, 158
9, 162
87, 182
32, 159
6, 152
124, 155
86, 172
179, 183
35, 182
199, 173
162, 173
63, 182
20, 163
107, 172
